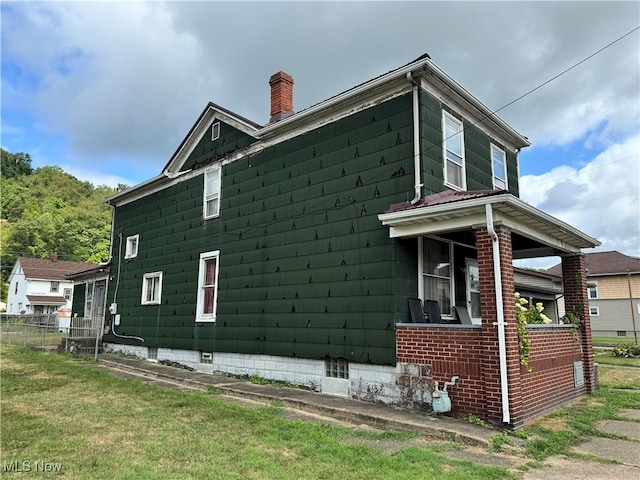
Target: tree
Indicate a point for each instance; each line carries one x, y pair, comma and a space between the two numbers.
14, 164
48, 211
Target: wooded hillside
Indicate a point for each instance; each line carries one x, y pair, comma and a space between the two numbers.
47, 211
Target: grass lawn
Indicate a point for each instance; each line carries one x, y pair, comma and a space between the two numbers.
605, 357
60, 410
612, 341
555, 434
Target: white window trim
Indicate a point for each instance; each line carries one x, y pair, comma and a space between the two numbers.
143, 298
422, 274
129, 252
463, 173
208, 196
493, 171
211, 317
593, 285
57, 286
215, 131
594, 311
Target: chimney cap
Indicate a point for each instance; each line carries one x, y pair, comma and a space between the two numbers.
280, 76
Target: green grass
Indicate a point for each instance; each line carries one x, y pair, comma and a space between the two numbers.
612, 341
61, 409
607, 358
557, 433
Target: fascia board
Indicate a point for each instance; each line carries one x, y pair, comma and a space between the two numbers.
353, 95
466, 208
518, 139
208, 117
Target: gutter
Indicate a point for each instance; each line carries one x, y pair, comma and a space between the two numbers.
502, 347
417, 164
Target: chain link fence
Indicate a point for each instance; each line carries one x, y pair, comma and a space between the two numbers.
48, 332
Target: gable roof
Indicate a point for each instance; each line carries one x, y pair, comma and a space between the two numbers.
605, 263
50, 269
364, 95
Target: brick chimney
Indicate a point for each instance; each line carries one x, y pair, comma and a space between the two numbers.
281, 96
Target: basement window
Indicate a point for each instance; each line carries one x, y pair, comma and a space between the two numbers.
152, 354
206, 357
621, 333
215, 131
337, 368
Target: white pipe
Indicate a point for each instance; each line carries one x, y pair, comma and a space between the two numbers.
416, 141
502, 347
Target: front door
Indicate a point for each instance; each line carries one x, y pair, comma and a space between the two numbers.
473, 291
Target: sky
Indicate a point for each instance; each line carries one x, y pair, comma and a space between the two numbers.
107, 91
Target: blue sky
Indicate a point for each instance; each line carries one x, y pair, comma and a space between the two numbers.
107, 91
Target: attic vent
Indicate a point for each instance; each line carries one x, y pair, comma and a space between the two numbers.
215, 131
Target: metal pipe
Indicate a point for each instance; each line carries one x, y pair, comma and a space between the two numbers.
417, 188
502, 344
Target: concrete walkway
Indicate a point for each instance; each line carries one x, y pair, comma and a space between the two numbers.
299, 403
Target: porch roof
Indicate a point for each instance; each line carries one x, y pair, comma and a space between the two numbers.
46, 300
534, 232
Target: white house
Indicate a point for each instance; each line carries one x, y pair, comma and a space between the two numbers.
39, 285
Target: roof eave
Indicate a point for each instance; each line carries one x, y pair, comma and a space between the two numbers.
475, 207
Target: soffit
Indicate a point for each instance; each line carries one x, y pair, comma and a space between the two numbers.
534, 232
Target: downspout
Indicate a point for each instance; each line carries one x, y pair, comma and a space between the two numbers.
416, 140
502, 344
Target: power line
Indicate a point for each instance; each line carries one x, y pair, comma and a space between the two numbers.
579, 171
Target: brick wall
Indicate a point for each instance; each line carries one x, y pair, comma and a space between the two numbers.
574, 278
448, 351
550, 384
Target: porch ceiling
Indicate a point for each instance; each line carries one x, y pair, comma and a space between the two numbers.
534, 232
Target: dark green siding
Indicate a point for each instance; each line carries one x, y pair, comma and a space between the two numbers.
477, 151
79, 295
230, 140
306, 269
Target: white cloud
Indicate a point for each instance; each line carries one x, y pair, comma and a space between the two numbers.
602, 198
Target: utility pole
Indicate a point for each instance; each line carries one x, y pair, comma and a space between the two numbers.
633, 313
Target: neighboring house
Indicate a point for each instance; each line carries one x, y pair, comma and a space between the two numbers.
540, 287
614, 293
294, 250
40, 286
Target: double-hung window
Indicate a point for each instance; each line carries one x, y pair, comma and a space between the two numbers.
207, 286
55, 287
437, 273
592, 290
151, 288
131, 250
499, 168
453, 151
212, 192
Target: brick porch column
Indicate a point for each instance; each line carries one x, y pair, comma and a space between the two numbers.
491, 354
574, 280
